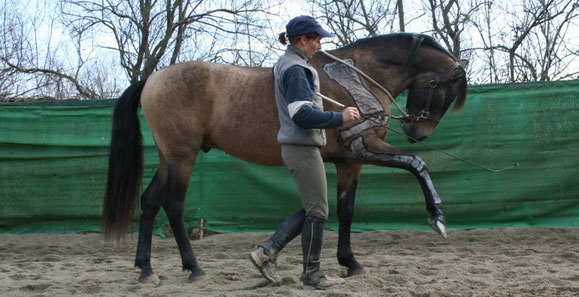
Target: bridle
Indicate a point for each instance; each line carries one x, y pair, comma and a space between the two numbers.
424, 114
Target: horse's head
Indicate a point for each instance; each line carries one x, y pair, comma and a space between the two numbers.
429, 97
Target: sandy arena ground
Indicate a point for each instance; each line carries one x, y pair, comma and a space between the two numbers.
497, 262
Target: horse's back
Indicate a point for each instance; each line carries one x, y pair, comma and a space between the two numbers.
197, 105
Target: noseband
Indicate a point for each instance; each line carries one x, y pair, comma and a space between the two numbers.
424, 114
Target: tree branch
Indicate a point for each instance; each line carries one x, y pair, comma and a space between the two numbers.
84, 92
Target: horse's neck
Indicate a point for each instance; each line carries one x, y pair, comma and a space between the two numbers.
383, 62
387, 75
364, 91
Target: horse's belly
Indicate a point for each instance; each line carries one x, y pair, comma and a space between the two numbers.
268, 154
251, 144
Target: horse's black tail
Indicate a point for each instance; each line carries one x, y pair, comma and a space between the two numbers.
125, 172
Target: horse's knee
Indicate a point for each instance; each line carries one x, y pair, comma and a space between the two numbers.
150, 202
346, 197
149, 209
152, 197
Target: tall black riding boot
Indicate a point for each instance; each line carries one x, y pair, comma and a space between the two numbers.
289, 229
265, 256
312, 276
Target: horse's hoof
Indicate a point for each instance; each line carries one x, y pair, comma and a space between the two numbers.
149, 279
438, 225
197, 275
357, 270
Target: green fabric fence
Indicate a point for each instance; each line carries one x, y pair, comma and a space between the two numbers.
53, 163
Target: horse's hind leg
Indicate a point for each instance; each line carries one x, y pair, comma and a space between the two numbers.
150, 205
348, 175
178, 181
167, 189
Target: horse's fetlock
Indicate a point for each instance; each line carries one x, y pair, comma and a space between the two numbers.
346, 259
144, 265
189, 266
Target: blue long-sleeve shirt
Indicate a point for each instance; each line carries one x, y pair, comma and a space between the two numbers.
299, 93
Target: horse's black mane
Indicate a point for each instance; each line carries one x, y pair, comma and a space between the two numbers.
415, 39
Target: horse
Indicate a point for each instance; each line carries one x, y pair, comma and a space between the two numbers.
198, 106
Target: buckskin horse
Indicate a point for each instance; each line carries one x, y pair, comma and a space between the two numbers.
197, 106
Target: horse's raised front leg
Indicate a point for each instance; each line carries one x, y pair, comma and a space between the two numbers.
348, 175
373, 150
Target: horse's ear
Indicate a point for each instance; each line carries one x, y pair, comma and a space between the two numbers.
457, 74
463, 63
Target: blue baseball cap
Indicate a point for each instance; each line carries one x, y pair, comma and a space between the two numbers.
304, 25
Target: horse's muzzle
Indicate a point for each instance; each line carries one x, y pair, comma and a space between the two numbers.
417, 131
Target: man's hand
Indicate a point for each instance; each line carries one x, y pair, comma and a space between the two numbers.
350, 115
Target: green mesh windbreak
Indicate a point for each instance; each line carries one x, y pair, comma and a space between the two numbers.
53, 166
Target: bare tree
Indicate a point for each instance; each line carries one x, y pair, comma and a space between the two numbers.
535, 14
33, 65
9, 50
400, 7
153, 34
484, 25
512, 41
551, 39
450, 19
351, 20
144, 35
534, 38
